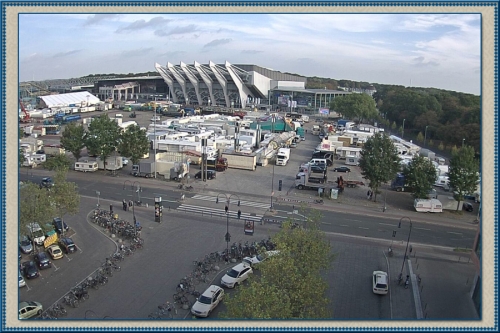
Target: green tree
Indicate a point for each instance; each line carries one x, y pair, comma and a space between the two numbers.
290, 285
103, 137
57, 162
463, 173
394, 126
35, 205
73, 139
420, 175
134, 143
431, 143
441, 146
379, 161
65, 195
361, 106
21, 154
420, 137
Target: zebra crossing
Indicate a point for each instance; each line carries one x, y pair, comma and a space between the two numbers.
222, 199
207, 211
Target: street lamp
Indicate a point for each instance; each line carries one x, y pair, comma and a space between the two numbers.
463, 141
154, 133
228, 236
403, 132
98, 194
425, 136
272, 188
407, 243
139, 189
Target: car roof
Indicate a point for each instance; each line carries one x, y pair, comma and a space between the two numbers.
41, 254
240, 266
211, 290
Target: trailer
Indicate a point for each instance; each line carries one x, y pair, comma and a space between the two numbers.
217, 164
310, 180
147, 168
241, 161
86, 166
113, 163
53, 150
428, 205
353, 183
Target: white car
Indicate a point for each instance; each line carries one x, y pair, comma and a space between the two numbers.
236, 275
30, 309
207, 301
22, 283
380, 283
259, 258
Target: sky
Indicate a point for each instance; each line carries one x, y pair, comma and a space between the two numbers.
420, 50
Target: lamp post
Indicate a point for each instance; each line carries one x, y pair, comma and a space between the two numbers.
228, 236
425, 136
154, 130
407, 243
463, 141
272, 188
98, 194
403, 132
139, 189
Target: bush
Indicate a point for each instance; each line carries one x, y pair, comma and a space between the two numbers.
57, 162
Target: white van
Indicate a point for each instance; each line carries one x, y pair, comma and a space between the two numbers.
86, 166
318, 161
119, 115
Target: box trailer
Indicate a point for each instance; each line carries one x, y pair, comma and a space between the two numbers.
241, 161
112, 163
53, 150
428, 205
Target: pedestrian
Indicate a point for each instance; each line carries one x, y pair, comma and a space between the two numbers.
130, 203
368, 194
371, 195
124, 205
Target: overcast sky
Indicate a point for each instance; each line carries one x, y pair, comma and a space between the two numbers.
441, 51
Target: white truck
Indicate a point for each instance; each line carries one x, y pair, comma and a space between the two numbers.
54, 150
147, 169
310, 180
283, 156
35, 234
241, 161
179, 171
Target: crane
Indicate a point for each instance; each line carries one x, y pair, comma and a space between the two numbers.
26, 118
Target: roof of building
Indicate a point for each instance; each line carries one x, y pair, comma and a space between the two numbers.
70, 98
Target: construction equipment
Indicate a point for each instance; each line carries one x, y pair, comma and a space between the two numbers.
27, 117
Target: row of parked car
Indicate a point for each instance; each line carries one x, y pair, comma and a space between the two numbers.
214, 294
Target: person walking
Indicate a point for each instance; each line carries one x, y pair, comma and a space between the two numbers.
368, 194
371, 195
124, 204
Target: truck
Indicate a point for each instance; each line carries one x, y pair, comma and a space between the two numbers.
241, 161
428, 205
310, 180
217, 164
112, 163
53, 150
399, 184
283, 156
147, 169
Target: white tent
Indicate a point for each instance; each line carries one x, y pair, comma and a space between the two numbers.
77, 98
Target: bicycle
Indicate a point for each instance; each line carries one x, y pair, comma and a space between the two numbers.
167, 308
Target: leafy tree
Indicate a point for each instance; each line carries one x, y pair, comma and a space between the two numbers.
379, 161
103, 137
361, 106
431, 143
441, 146
394, 126
290, 285
57, 162
463, 173
65, 195
73, 139
134, 143
420, 137
35, 205
420, 175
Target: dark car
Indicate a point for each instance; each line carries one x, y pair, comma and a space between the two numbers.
46, 182
67, 245
210, 174
342, 169
25, 245
42, 260
58, 224
467, 206
320, 168
29, 270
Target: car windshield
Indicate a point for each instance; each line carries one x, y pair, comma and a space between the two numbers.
381, 285
56, 251
232, 273
260, 257
25, 242
205, 300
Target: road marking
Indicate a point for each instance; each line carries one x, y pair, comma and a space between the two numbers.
356, 220
363, 228
390, 225
325, 223
455, 233
222, 200
344, 225
423, 229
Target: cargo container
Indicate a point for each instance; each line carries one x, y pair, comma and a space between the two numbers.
241, 161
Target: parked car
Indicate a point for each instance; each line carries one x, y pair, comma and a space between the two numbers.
342, 169
25, 245
236, 275
255, 260
380, 283
205, 304
46, 182
210, 174
467, 206
42, 260
58, 224
67, 245
30, 309
29, 270
22, 283
55, 252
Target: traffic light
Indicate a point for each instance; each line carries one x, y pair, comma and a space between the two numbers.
239, 213
279, 185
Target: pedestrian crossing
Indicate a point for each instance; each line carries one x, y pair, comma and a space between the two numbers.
185, 208
233, 200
